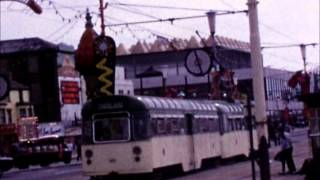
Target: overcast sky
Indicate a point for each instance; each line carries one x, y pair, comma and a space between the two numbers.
281, 22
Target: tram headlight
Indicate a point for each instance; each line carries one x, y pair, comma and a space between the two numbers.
88, 153
137, 150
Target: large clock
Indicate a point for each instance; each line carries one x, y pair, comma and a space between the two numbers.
198, 62
4, 86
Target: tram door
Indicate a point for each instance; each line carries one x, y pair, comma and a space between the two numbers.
190, 126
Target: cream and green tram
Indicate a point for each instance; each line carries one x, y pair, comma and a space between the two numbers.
143, 134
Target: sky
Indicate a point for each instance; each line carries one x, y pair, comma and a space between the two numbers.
281, 22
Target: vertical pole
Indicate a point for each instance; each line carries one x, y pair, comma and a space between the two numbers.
303, 53
141, 86
102, 18
164, 86
249, 122
258, 90
186, 86
209, 85
257, 70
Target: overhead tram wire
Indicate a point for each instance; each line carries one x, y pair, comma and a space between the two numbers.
172, 19
139, 12
136, 12
164, 7
289, 45
154, 32
266, 26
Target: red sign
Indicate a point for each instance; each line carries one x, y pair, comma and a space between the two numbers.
70, 92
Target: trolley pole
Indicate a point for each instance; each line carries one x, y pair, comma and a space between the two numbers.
258, 90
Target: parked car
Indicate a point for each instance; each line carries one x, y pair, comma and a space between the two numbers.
41, 151
6, 163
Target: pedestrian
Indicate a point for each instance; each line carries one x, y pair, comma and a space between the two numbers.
285, 154
78, 144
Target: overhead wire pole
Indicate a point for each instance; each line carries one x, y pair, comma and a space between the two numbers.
257, 70
258, 90
101, 8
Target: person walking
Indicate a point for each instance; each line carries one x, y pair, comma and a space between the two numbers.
285, 155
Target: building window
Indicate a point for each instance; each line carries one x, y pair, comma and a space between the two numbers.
120, 92
9, 115
2, 116
30, 112
22, 112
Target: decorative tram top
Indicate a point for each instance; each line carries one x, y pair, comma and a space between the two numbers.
95, 60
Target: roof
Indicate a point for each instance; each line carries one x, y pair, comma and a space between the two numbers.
163, 45
26, 45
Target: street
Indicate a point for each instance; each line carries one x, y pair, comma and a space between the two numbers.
237, 171
70, 172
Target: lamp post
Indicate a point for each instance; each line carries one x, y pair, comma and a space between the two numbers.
30, 3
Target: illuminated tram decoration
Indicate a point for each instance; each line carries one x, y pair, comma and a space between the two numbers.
105, 54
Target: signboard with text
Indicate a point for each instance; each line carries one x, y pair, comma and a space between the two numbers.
70, 92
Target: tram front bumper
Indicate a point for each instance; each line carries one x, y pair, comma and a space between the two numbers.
122, 158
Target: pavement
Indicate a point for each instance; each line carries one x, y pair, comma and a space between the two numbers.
243, 171
300, 153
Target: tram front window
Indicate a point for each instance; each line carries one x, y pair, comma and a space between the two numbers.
115, 129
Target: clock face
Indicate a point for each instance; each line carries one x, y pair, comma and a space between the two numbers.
4, 87
198, 63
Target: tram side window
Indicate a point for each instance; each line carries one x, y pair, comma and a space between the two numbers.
140, 127
195, 125
239, 124
230, 124
161, 126
213, 125
175, 125
204, 125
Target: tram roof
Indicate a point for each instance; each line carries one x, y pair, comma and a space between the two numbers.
202, 105
229, 108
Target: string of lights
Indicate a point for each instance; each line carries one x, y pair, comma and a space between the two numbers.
67, 31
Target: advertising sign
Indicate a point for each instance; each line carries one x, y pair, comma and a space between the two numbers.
70, 92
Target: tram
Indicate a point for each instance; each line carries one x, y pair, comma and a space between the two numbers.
143, 134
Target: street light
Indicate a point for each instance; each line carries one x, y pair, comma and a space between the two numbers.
30, 3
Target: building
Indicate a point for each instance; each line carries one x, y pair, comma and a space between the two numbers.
44, 83
16, 105
168, 59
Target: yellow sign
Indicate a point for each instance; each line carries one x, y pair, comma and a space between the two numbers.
103, 77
